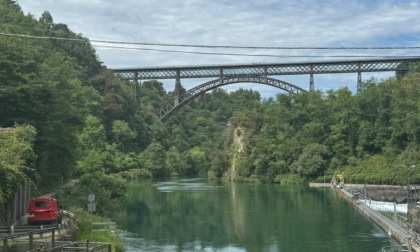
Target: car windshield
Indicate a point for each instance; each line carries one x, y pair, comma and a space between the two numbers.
41, 204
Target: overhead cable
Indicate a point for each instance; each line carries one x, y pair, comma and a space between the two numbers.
250, 55
214, 46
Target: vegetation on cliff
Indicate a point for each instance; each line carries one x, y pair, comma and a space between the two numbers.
371, 137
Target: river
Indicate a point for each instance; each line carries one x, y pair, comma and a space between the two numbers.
198, 215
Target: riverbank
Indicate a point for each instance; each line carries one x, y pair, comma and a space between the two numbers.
388, 193
319, 185
393, 230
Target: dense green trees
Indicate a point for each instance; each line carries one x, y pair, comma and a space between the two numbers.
86, 120
91, 125
367, 136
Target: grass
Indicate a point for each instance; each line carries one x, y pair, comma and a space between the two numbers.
86, 232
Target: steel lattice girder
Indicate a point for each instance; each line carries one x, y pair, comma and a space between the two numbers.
327, 67
193, 92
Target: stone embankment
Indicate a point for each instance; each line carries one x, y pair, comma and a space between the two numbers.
388, 193
407, 234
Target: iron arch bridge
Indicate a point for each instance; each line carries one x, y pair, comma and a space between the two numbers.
258, 73
183, 99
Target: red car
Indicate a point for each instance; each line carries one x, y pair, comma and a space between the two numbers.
44, 211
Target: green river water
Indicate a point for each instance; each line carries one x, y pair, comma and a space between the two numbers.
198, 215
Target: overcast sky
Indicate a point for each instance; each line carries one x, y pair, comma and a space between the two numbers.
279, 23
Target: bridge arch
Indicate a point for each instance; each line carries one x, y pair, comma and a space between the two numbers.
183, 99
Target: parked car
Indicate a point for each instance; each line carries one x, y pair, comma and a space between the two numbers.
44, 211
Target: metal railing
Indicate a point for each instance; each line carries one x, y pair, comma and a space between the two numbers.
25, 238
104, 227
381, 208
76, 246
25, 241
395, 248
390, 213
11, 230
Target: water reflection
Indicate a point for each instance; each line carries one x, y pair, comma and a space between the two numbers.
191, 185
197, 215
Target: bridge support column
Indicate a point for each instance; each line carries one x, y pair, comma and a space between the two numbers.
136, 83
177, 90
311, 80
359, 79
265, 75
136, 76
221, 76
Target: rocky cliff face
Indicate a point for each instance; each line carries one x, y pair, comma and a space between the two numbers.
237, 147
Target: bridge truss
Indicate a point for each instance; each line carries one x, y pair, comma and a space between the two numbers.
259, 73
183, 99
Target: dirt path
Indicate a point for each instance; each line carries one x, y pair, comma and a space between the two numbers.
71, 183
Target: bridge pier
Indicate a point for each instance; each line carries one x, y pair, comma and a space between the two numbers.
137, 90
311, 79
136, 83
177, 90
359, 79
265, 74
136, 76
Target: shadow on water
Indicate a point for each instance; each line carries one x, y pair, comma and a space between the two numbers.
197, 215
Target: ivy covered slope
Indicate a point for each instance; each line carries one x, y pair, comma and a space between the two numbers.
370, 137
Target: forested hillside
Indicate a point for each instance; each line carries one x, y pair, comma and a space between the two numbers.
371, 137
87, 123
83, 122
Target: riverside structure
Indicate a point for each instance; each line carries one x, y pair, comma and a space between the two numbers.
400, 227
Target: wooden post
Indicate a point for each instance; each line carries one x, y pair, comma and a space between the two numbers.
5, 245
53, 238
31, 241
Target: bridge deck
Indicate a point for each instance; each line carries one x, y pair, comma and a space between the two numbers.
268, 69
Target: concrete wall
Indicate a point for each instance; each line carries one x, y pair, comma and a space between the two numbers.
18, 205
414, 220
